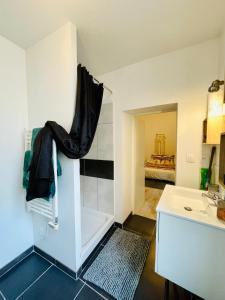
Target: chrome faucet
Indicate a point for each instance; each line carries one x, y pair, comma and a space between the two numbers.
215, 197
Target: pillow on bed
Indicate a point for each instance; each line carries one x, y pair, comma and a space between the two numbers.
163, 157
161, 161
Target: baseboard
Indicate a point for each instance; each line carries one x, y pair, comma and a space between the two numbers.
16, 260
55, 262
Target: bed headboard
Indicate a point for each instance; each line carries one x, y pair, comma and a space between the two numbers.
160, 144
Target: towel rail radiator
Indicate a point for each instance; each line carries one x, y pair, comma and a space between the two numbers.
46, 208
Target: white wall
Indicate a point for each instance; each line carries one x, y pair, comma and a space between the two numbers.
222, 55
16, 232
123, 167
51, 67
179, 77
51, 72
139, 133
162, 123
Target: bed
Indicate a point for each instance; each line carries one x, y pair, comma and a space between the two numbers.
160, 174
161, 168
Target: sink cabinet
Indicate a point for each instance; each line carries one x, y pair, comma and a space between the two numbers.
191, 254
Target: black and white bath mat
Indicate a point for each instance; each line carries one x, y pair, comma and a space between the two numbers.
118, 267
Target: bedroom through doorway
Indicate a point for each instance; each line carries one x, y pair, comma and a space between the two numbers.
154, 157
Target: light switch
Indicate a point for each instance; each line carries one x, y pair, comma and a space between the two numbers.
190, 158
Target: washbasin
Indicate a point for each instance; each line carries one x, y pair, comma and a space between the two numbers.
190, 243
189, 204
189, 201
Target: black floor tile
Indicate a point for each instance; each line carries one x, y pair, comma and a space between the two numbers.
177, 292
140, 225
100, 291
151, 285
54, 284
88, 294
13, 283
16, 260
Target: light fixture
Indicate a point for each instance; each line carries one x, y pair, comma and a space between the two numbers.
215, 86
215, 104
216, 99
215, 115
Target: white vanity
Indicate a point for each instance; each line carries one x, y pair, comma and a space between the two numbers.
190, 245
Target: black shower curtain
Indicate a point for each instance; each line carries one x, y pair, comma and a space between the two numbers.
75, 144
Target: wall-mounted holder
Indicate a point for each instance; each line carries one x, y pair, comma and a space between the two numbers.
48, 209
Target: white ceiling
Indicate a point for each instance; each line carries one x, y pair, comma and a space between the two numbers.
115, 33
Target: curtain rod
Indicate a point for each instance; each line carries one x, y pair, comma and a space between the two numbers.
105, 87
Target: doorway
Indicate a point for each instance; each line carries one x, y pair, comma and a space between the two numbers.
154, 156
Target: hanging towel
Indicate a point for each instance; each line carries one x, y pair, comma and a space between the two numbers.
27, 162
75, 144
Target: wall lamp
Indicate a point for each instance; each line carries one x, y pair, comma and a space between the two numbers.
215, 86
216, 99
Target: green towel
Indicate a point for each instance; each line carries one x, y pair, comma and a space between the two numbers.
26, 164
27, 161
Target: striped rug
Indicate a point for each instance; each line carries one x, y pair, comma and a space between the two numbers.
118, 267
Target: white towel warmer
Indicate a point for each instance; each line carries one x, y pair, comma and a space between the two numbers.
48, 209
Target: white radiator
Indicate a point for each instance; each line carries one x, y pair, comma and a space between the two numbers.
48, 209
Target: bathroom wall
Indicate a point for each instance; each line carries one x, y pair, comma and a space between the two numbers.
222, 55
181, 77
97, 167
51, 68
16, 232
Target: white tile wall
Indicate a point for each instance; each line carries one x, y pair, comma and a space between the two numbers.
90, 192
105, 195
102, 146
98, 193
105, 142
82, 185
93, 154
106, 115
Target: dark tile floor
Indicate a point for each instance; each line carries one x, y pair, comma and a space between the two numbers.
151, 285
38, 279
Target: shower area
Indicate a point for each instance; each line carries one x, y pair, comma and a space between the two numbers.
85, 200
97, 184
85, 205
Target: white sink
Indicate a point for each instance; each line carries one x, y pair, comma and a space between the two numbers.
190, 244
190, 204
189, 201
180, 202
